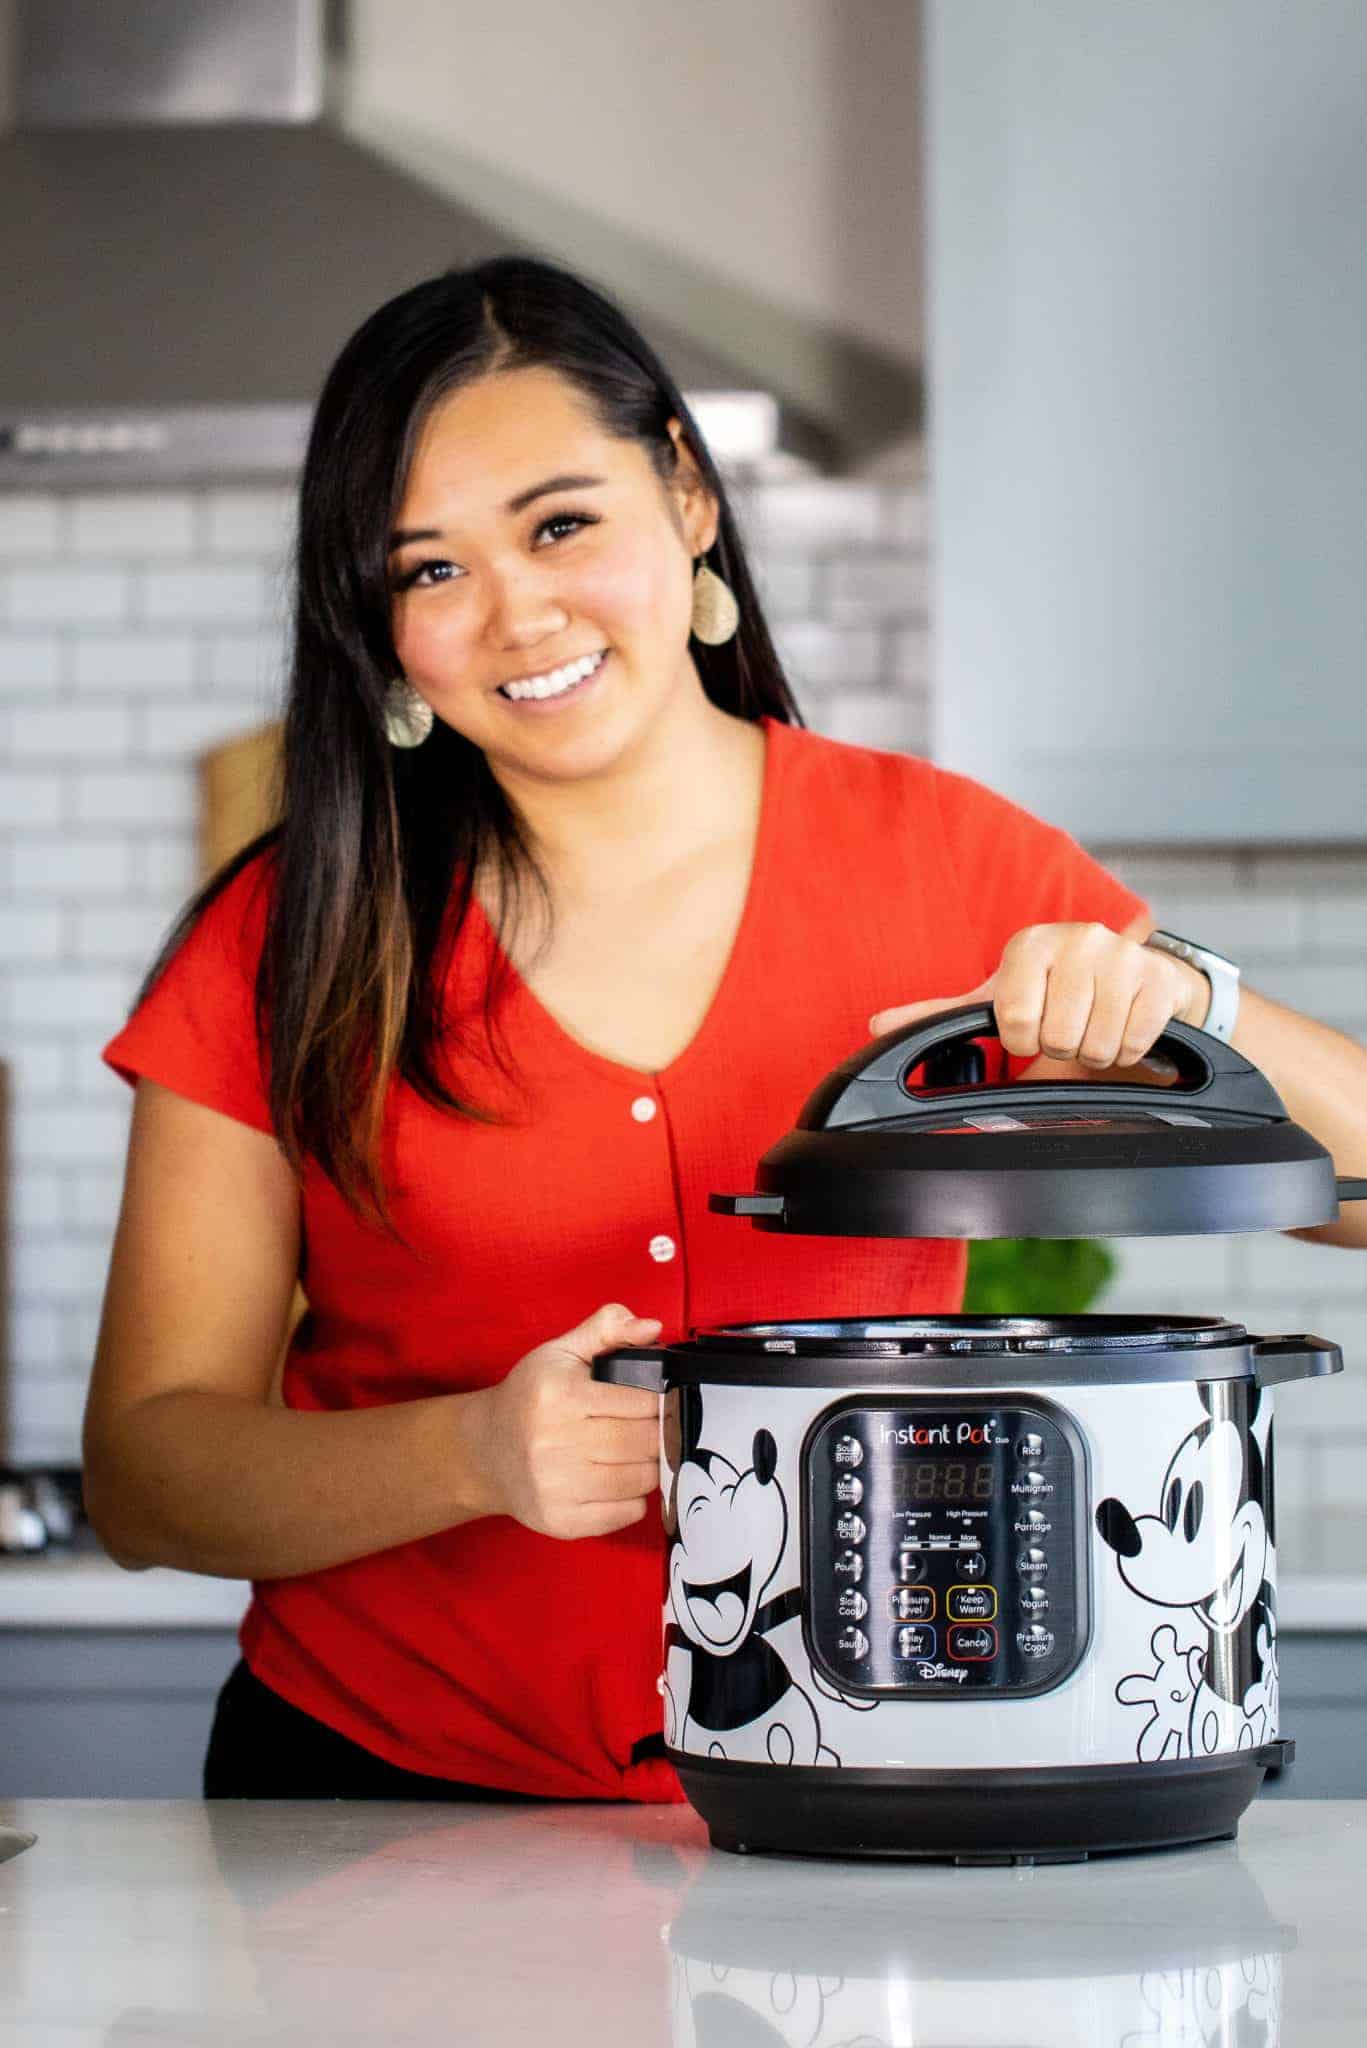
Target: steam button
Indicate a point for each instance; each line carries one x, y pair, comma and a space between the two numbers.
1032, 1563
850, 1529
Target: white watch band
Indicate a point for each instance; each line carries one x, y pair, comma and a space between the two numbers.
1222, 975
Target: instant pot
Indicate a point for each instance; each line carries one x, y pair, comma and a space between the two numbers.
986, 1588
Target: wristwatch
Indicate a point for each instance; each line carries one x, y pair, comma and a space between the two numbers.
1222, 975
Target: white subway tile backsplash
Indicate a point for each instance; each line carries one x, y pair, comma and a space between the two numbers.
1338, 924
250, 523
891, 720
133, 523
908, 659
906, 517
63, 999
60, 865
36, 1341
1246, 927
29, 931
30, 523
164, 868
787, 587
70, 732
1278, 1265
879, 586
130, 933
813, 515
76, 1136
181, 732
135, 797
127, 664
29, 796
68, 596
213, 596
37, 1064
30, 664
1329, 990
58, 1269
90, 1200
247, 664
37, 1200
45, 1413
820, 657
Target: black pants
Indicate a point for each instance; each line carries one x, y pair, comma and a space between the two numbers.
262, 1747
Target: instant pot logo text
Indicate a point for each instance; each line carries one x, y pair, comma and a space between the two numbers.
924, 1435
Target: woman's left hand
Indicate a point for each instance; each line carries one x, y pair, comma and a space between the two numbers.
1077, 993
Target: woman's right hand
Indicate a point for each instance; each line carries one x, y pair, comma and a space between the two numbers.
563, 1453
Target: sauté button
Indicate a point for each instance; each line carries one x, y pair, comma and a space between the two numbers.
913, 1642
662, 1248
643, 1108
972, 1645
852, 1642
971, 1603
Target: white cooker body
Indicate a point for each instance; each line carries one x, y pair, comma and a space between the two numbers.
1169, 1516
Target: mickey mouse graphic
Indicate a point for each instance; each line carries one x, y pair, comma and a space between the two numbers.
1216, 1690
727, 1690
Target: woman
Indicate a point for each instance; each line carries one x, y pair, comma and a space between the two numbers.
565, 916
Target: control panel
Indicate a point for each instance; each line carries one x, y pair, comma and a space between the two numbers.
945, 1546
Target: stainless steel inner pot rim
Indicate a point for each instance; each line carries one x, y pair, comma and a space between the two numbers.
1063, 1333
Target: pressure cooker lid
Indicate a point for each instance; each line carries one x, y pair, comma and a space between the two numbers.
876, 1154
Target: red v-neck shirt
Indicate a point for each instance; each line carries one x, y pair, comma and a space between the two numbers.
490, 1653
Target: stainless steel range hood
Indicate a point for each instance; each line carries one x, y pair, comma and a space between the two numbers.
187, 243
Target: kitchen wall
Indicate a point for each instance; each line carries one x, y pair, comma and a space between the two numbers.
138, 629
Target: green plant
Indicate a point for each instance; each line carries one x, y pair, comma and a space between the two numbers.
1035, 1276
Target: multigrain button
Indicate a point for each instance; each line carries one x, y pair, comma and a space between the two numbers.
643, 1108
662, 1248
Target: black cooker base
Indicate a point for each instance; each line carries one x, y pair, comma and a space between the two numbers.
975, 1817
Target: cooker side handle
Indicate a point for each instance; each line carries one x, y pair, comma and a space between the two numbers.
632, 1366
1278, 1359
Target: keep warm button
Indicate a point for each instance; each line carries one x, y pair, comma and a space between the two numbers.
972, 1645
971, 1603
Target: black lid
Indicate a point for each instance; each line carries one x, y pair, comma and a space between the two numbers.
872, 1155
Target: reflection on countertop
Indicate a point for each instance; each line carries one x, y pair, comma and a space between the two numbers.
249, 1922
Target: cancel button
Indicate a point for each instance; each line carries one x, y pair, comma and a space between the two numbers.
971, 1603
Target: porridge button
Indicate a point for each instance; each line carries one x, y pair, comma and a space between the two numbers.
662, 1248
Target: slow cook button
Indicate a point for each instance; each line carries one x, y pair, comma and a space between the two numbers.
972, 1645
852, 1642
971, 1603
1035, 1641
662, 1248
851, 1606
849, 1565
643, 1108
913, 1642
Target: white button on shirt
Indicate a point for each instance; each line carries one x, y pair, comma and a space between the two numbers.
643, 1108
662, 1248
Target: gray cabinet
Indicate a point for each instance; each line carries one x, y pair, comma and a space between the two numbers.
1149, 413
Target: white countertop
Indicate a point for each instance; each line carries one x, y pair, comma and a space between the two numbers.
85, 1589
243, 1922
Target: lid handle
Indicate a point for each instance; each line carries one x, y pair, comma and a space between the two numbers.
632, 1365
872, 1086
1279, 1359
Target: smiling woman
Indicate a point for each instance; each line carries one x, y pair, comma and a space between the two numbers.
564, 914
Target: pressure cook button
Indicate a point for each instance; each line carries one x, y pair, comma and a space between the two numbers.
849, 1451
851, 1606
972, 1566
849, 1491
1030, 1446
1035, 1640
852, 1642
849, 1529
849, 1565
1032, 1564
913, 1642
911, 1567
913, 1603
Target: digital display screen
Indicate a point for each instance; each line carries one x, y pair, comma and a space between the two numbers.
935, 1482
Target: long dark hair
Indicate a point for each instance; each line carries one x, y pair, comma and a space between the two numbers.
374, 858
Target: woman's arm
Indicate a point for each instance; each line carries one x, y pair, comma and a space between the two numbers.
188, 1463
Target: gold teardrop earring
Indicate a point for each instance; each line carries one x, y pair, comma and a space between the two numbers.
408, 717
716, 614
